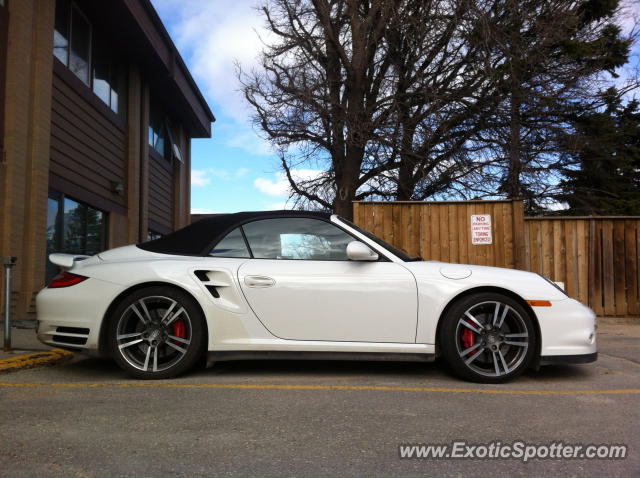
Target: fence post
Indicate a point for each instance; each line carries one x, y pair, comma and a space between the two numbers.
517, 213
593, 282
8, 263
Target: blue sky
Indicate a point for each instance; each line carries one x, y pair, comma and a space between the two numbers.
235, 170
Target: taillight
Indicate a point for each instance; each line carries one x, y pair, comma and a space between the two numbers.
65, 279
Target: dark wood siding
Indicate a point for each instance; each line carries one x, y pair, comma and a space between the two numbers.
4, 24
161, 193
185, 98
88, 141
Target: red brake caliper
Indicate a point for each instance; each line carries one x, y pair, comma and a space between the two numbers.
468, 339
179, 329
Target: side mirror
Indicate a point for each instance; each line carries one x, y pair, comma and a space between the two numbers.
358, 251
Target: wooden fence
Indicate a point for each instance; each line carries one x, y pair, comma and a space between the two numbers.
597, 258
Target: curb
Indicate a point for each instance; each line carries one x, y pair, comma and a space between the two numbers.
37, 359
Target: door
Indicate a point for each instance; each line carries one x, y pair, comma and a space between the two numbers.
301, 285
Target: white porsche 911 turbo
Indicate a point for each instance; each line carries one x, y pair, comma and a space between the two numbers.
292, 284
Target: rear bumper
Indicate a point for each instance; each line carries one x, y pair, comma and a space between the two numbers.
72, 317
568, 359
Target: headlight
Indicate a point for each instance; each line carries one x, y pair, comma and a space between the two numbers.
554, 285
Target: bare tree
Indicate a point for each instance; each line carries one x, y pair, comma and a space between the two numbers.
381, 95
318, 94
416, 99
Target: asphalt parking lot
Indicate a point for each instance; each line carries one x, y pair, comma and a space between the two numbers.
86, 418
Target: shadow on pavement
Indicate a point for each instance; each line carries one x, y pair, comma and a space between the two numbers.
96, 369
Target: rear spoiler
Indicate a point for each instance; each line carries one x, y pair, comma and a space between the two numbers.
66, 261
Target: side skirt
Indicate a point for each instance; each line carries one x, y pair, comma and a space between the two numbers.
345, 356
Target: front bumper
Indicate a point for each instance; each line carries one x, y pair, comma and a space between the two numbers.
568, 359
568, 329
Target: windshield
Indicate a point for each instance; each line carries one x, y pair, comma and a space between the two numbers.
394, 250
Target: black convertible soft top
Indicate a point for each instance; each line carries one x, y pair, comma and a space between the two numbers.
198, 238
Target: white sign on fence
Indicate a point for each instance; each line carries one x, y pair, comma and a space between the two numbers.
481, 229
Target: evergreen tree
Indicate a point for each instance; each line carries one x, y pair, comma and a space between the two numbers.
552, 54
602, 167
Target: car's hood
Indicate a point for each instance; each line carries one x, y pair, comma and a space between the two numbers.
526, 284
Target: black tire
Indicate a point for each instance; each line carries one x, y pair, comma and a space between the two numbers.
156, 333
498, 351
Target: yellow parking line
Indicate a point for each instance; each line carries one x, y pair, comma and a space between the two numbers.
46, 357
241, 386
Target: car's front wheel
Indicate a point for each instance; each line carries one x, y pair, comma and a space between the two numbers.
156, 333
488, 338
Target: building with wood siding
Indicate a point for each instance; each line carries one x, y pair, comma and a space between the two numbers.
98, 111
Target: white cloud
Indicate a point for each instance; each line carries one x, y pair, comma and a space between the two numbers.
199, 178
557, 206
245, 138
216, 34
279, 185
241, 135
213, 36
203, 177
219, 173
629, 15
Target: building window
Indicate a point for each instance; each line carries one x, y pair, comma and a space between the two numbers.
72, 39
73, 227
61, 32
153, 235
89, 58
108, 77
157, 131
161, 139
80, 50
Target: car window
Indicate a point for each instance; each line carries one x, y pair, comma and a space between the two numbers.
297, 239
394, 250
232, 245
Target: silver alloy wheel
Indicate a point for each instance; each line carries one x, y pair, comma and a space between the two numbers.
492, 338
154, 333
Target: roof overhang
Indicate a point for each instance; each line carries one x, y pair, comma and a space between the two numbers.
137, 29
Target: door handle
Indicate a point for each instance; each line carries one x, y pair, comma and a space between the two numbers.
259, 281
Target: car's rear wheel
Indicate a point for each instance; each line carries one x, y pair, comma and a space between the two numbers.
156, 333
488, 338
